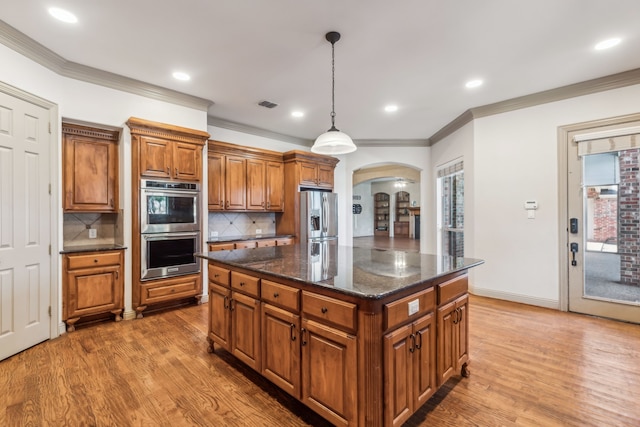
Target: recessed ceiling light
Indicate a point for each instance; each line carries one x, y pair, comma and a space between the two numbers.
297, 114
63, 15
179, 75
391, 108
473, 83
606, 44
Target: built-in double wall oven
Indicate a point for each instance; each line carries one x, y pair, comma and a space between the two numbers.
170, 228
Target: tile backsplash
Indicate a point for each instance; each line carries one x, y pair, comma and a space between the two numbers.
231, 224
76, 228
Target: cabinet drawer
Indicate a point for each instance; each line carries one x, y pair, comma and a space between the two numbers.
246, 284
245, 245
281, 295
340, 313
411, 307
284, 242
94, 259
266, 243
170, 290
221, 247
219, 275
452, 288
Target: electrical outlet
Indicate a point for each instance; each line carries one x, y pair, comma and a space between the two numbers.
93, 233
258, 230
414, 306
213, 234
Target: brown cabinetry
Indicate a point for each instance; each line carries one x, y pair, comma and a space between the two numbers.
244, 179
453, 329
302, 170
90, 169
92, 284
168, 152
166, 159
247, 244
409, 355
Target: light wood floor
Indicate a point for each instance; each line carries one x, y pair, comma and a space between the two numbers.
530, 367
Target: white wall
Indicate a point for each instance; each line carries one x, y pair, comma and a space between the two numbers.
516, 159
363, 222
92, 103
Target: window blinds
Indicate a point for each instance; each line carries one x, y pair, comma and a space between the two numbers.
608, 141
451, 169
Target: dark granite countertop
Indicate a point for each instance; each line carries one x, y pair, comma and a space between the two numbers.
91, 248
229, 239
361, 272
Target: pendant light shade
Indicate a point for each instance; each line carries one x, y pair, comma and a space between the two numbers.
333, 141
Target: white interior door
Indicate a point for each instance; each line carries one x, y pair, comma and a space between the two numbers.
25, 235
604, 224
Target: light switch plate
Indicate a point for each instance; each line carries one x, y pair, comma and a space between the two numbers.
258, 230
414, 307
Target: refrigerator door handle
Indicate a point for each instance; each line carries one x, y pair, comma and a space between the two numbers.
325, 214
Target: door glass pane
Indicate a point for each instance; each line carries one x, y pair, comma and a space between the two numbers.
612, 226
452, 190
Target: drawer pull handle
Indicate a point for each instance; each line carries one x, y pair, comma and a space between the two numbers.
419, 344
324, 310
412, 347
293, 335
276, 295
303, 332
241, 283
216, 275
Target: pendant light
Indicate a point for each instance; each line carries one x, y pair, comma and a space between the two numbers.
333, 141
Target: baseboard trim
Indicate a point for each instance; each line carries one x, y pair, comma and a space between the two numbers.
62, 328
129, 315
523, 299
205, 298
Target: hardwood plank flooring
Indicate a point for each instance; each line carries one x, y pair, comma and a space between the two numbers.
530, 367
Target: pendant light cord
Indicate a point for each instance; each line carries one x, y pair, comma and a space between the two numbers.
333, 87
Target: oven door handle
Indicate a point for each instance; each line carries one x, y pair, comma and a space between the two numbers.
168, 236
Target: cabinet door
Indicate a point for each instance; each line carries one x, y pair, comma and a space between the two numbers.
187, 161
329, 372
155, 157
424, 359
281, 348
90, 174
93, 291
325, 176
275, 186
256, 176
462, 331
219, 315
308, 173
245, 329
446, 342
216, 181
235, 183
398, 378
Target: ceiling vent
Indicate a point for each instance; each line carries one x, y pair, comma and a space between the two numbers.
267, 104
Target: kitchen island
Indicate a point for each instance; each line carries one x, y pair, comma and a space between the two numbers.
361, 336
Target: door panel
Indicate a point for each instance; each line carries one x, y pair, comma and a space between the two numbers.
604, 240
25, 211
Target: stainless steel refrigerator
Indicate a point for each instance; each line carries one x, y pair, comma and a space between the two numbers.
318, 216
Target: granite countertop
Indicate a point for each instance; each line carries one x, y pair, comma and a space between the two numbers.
91, 248
229, 239
361, 272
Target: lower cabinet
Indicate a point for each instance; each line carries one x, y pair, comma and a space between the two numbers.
329, 372
249, 244
157, 291
245, 329
453, 338
409, 369
92, 284
281, 348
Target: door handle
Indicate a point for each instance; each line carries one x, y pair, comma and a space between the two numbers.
574, 250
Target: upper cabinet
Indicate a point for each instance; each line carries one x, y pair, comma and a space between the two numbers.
313, 174
90, 168
244, 178
164, 151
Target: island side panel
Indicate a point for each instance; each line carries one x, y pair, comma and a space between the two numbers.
370, 369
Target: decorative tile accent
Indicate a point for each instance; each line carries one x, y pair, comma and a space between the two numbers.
75, 229
231, 224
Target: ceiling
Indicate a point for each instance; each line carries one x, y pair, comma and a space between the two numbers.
416, 54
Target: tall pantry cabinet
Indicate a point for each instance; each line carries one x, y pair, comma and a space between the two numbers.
165, 152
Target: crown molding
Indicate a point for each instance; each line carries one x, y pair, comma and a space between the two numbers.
240, 127
33, 50
391, 142
601, 84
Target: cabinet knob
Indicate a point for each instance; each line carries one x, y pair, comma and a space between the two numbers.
216, 275
276, 295
95, 260
241, 283
324, 310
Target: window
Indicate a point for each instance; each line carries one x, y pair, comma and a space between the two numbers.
451, 210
